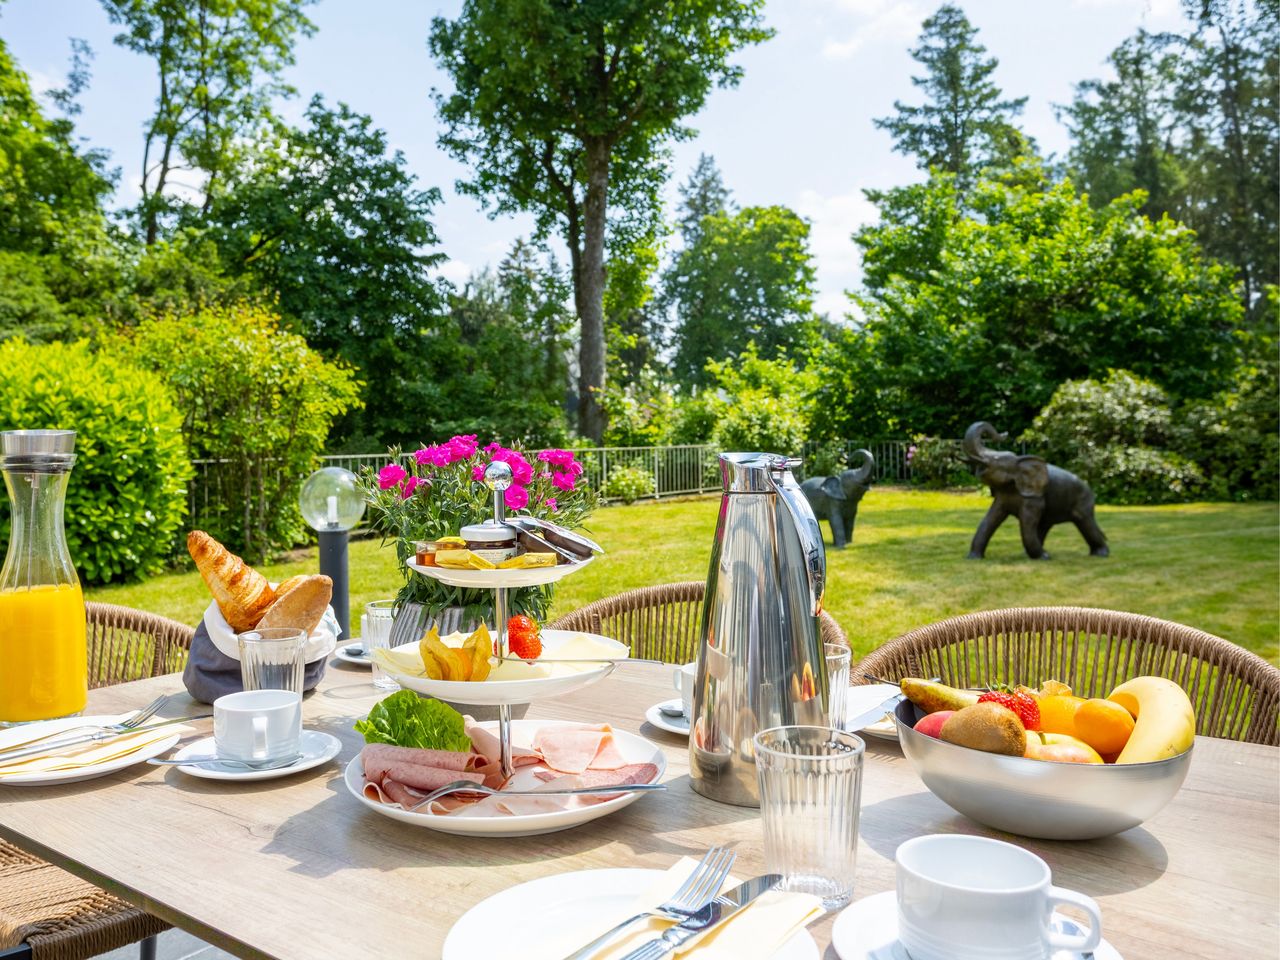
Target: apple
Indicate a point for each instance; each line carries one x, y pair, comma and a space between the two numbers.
931, 724
1059, 747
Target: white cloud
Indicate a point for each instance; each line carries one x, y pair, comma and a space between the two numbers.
457, 272
886, 22
834, 219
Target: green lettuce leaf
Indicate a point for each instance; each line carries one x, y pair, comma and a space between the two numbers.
407, 720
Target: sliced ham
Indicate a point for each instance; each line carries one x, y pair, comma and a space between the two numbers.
574, 749
393, 774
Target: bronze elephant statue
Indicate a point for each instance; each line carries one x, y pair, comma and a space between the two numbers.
1037, 493
835, 499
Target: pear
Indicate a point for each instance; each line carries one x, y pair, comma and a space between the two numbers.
931, 696
989, 727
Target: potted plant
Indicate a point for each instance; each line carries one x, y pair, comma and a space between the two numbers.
437, 490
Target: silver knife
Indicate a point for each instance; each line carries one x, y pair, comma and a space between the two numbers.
102, 735
716, 912
868, 717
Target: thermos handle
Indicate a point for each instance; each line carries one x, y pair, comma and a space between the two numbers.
806, 525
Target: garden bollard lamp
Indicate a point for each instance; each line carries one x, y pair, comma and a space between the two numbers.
332, 504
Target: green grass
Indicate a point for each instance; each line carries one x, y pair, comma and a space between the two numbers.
1210, 565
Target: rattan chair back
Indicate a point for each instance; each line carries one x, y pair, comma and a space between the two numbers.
659, 623
1235, 693
127, 644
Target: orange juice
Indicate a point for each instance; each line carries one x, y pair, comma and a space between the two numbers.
44, 668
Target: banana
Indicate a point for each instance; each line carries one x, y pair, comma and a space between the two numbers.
1166, 723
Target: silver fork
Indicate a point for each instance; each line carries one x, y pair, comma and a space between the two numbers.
466, 786
698, 890
137, 720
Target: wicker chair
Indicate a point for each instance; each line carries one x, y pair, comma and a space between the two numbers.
1236, 694
47, 913
659, 623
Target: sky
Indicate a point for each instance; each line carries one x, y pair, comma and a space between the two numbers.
796, 131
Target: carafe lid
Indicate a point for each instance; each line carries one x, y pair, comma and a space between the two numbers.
750, 472
37, 451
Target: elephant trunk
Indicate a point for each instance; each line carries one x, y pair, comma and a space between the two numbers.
863, 473
974, 447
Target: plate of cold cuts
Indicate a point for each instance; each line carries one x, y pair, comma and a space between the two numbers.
547, 754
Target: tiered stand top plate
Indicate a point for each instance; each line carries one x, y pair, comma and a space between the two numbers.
497, 579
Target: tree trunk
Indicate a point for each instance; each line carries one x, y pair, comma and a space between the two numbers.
588, 289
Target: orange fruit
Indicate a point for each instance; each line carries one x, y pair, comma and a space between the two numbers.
1104, 725
1054, 688
1058, 714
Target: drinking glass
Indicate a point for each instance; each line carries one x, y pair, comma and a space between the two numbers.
271, 659
810, 795
837, 682
375, 633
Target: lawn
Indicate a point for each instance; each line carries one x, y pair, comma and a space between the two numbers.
1209, 565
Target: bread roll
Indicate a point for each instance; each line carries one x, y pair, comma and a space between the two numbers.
241, 592
286, 585
302, 607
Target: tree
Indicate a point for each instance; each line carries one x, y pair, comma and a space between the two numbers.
537, 296
703, 195
220, 63
963, 124
748, 278
336, 229
1027, 289
565, 109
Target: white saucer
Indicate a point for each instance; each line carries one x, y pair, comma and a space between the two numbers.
16, 736
358, 659
317, 748
540, 911
868, 930
677, 725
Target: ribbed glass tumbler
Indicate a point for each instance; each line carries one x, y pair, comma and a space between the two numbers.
272, 659
810, 797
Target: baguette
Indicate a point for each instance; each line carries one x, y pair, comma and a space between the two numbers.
302, 607
241, 592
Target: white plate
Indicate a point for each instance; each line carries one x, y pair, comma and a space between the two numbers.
489, 579
868, 930
542, 909
29, 731
634, 749
860, 699
494, 692
677, 725
359, 660
317, 748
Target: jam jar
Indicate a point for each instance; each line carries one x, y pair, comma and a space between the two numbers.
494, 542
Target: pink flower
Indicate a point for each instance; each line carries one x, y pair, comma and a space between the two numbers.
422, 457
516, 497
550, 503
461, 447
563, 481
409, 486
521, 469
390, 476
477, 473
559, 458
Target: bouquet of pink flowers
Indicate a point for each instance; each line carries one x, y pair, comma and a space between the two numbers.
437, 490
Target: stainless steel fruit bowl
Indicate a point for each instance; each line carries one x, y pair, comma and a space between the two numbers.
1040, 798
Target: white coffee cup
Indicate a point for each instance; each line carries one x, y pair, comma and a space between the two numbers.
257, 725
685, 678
970, 898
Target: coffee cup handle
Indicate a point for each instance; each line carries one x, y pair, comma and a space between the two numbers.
1081, 943
259, 737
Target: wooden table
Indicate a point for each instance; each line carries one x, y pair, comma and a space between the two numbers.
296, 868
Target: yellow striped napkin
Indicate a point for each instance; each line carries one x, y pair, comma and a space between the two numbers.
755, 933
88, 754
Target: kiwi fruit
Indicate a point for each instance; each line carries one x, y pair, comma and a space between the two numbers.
988, 727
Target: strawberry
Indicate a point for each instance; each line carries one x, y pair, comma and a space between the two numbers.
522, 638
1023, 704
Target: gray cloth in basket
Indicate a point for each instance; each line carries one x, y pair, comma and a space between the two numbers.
210, 673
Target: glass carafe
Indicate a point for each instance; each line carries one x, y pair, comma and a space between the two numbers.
43, 656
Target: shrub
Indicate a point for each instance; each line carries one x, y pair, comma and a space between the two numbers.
937, 463
1119, 435
639, 413
126, 498
629, 484
695, 419
258, 401
763, 403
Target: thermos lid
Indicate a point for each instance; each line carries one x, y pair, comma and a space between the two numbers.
750, 472
37, 451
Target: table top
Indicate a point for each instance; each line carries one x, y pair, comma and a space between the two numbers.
296, 868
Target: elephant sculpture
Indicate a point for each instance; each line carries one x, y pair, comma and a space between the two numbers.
835, 499
1037, 493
